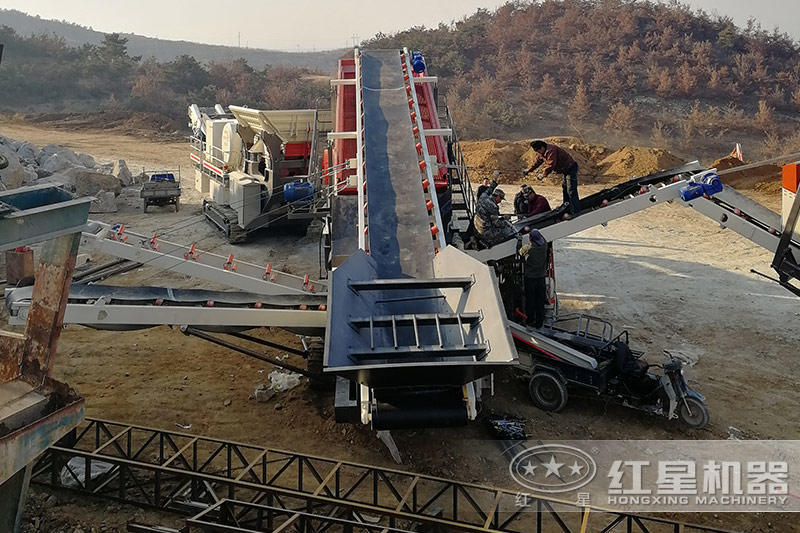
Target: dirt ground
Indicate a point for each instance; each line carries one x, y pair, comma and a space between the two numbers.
672, 278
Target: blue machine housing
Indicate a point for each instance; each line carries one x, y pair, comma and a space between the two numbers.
417, 62
298, 192
708, 184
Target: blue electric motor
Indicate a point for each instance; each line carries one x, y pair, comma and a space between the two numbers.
708, 184
417, 62
298, 192
711, 183
691, 191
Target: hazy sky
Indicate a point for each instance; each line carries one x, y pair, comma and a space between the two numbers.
317, 24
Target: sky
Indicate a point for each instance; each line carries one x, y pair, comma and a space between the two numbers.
318, 24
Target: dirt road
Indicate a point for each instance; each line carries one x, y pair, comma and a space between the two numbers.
675, 280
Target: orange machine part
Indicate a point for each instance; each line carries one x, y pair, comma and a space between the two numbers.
791, 177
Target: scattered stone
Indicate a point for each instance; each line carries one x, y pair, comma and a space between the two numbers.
26, 152
104, 202
226, 403
278, 407
89, 183
13, 174
30, 175
263, 393
122, 173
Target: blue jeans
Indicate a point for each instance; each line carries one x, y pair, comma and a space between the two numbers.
569, 187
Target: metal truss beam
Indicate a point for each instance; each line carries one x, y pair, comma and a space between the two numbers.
233, 487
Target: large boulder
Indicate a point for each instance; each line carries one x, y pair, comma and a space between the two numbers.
58, 162
123, 174
12, 173
54, 158
84, 181
26, 152
89, 183
104, 202
30, 174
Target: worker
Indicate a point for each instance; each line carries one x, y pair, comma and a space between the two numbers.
536, 203
482, 188
558, 160
521, 200
492, 228
535, 255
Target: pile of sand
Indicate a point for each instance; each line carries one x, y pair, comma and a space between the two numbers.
765, 178
511, 158
630, 161
484, 157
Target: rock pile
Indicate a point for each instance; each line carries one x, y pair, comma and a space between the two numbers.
22, 163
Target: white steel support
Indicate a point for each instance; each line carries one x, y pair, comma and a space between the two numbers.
734, 210
425, 155
225, 270
100, 314
361, 182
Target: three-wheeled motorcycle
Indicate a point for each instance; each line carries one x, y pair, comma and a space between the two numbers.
582, 352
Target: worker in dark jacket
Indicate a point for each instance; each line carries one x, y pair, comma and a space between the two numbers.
492, 228
536, 203
527, 203
559, 161
521, 200
535, 256
482, 188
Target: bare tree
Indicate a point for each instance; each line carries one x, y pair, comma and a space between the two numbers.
579, 107
620, 117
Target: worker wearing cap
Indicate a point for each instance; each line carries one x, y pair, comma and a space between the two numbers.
535, 255
557, 160
528, 203
521, 200
492, 228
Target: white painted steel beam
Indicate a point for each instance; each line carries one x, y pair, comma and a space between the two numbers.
166, 255
103, 315
425, 154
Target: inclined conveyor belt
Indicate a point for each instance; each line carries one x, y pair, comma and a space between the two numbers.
399, 230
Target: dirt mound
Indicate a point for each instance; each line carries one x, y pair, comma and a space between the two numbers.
630, 161
484, 157
764, 178
512, 157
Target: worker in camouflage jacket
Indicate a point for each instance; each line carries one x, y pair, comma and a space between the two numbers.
492, 228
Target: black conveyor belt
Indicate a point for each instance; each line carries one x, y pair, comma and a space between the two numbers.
399, 230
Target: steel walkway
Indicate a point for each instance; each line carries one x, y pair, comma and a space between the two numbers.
232, 487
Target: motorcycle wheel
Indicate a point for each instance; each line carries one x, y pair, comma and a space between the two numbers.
696, 415
547, 391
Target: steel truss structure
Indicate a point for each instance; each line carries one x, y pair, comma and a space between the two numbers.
232, 487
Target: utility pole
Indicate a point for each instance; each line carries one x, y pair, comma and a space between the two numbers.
239, 37
355, 39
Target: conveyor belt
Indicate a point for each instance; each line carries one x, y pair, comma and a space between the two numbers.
399, 231
80, 293
612, 194
131, 308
